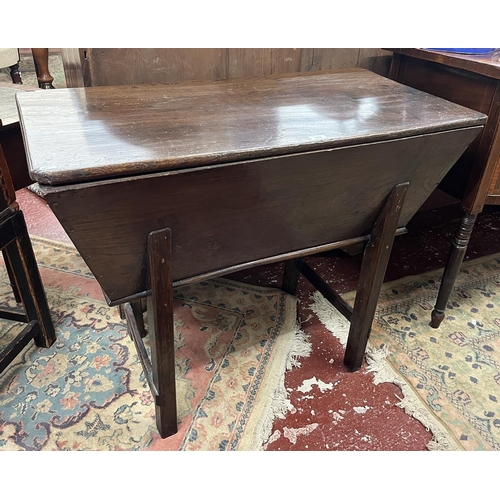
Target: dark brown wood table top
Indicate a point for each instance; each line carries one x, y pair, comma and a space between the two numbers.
86, 134
483, 64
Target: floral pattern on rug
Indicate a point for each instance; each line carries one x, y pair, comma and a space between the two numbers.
88, 391
455, 370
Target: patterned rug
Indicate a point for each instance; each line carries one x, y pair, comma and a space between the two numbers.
450, 376
88, 391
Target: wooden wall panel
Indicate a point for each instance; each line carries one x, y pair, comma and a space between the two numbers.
318, 59
249, 62
377, 60
129, 66
285, 61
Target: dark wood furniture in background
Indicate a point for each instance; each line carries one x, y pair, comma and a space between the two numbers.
113, 66
24, 276
15, 74
41, 59
11, 139
472, 81
165, 185
14, 240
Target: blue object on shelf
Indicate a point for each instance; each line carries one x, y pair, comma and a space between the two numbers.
466, 51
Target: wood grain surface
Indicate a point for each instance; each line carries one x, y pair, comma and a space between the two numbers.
246, 212
482, 64
76, 135
92, 67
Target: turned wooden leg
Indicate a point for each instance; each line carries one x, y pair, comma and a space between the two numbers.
41, 59
455, 259
375, 260
15, 74
161, 330
290, 277
29, 284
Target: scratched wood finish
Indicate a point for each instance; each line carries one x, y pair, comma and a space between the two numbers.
104, 132
114, 66
240, 212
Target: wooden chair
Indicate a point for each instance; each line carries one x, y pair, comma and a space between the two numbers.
41, 62
24, 276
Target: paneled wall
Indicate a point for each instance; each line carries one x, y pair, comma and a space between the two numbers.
91, 67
